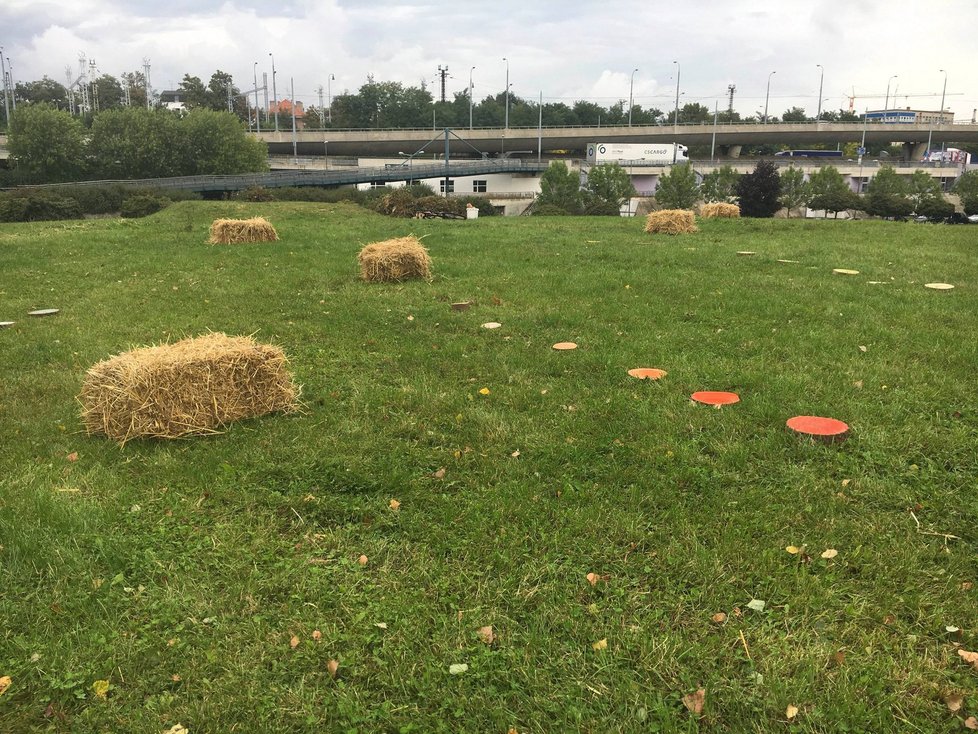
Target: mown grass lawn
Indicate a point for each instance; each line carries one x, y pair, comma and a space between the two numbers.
182, 573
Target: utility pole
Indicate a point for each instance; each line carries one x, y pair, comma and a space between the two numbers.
6, 95
146, 68
264, 89
275, 91
731, 88
322, 110
13, 97
295, 148
443, 73
329, 97
506, 123
254, 71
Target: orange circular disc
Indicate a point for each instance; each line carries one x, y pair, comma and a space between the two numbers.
715, 398
564, 346
824, 428
647, 373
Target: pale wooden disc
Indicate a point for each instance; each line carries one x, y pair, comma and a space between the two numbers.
44, 312
564, 346
461, 306
845, 271
746, 252
491, 325
939, 286
787, 261
5, 324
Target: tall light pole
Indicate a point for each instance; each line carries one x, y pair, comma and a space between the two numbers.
675, 122
13, 97
274, 92
886, 102
631, 88
329, 97
257, 109
767, 96
470, 97
6, 95
943, 93
295, 145
821, 78
506, 125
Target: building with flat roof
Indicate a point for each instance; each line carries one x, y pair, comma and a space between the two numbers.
905, 115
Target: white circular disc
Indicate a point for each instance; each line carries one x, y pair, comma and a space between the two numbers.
746, 252
5, 324
44, 312
845, 271
491, 325
939, 286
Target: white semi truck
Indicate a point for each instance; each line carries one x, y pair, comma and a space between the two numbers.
637, 154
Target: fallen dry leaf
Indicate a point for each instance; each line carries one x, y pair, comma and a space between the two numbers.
592, 578
839, 657
601, 644
484, 391
793, 549
516, 454
440, 474
846, 482
862, 348
486, 634
294, 642
791, 712
362, 560
395, 505
967, 586
333, 667
694, 701
176, 678
969, 657
889, 619
317, 635
177, 729
73, 456
829, 553
5, 682
954, 702
736, 612
719, 617
971, 723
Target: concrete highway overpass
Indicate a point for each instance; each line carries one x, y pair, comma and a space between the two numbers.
390, 142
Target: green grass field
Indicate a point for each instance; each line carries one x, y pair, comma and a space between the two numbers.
182, 573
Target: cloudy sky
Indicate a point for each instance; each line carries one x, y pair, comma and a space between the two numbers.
568, 50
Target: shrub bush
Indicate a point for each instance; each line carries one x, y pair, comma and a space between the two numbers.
970, 204
549, 210
935, 208
38, 206
142, 205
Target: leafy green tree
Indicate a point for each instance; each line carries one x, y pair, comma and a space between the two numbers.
935, 208
108, 92
193, 92
677, 189
133, 142
794, 188
43, 91
828, 190
608, 188
45, 144
217, 143
135, 82
967, 185
719, 184
560, 188
886, 195
695, 112
921, 188
795, 114
759, 191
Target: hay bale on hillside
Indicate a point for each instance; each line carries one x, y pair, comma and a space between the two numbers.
671, 221
192, 387
720, 210
234, 231
392, 261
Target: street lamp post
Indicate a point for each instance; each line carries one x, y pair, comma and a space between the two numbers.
821, 78
886, 102
6, 95
675, 121
329, 97
631, 89
295, 144
257, 118
470, 97
506, 124
274, 92
767, 95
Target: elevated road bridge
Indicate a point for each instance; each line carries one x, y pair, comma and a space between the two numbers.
728, 137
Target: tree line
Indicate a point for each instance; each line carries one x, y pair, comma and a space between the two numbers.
760, 193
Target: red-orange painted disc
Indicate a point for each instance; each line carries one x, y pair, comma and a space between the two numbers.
564, 346
715, 398
647, 373
813, 425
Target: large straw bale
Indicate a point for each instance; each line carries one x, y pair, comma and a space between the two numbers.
191, 387
720, 210
671, 221
234, 231
394, 260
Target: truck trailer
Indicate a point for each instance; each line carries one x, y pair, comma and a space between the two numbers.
637, 154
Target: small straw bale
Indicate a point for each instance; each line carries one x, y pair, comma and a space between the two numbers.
671, 221
394, 260
234, 231
720, 210
191, 387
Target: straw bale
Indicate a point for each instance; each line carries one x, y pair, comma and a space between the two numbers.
394, 260
720, 210
234, 231
191, 387
671, 221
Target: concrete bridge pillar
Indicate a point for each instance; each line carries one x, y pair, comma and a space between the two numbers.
731, 151
914, 151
